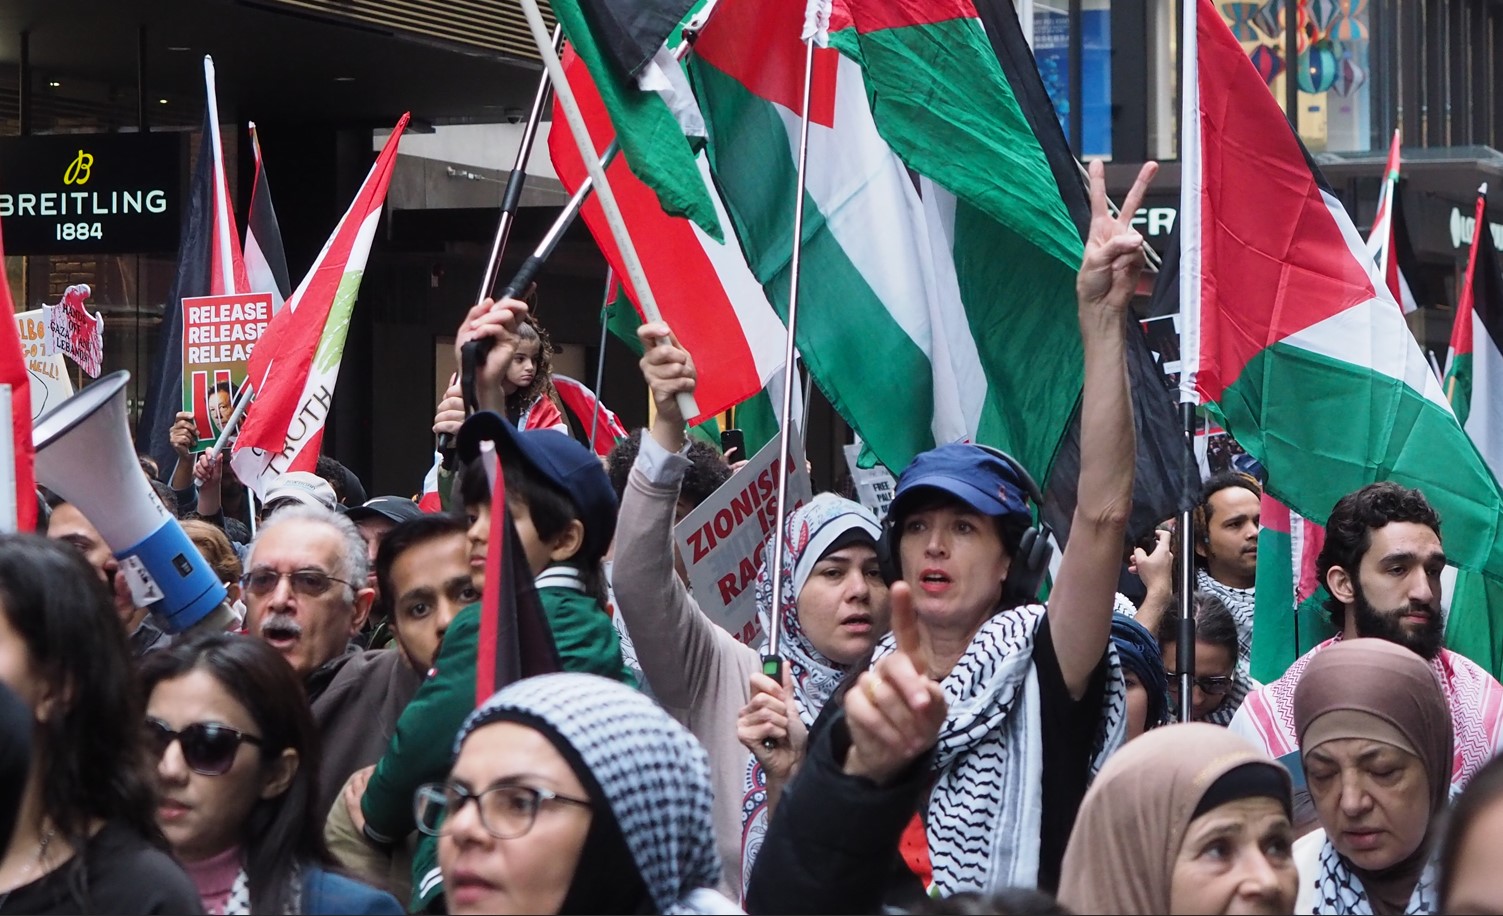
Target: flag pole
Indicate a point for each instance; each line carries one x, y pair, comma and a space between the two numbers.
772, 662
242, 401
10, 507
605, 303
1190, 186
511, 201
511, 198
635, 275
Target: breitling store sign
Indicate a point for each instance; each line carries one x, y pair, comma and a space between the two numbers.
91, 193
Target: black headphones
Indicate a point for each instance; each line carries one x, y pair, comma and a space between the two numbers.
1029, 564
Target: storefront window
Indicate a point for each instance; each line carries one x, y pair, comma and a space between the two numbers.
1090, 133
1330, 64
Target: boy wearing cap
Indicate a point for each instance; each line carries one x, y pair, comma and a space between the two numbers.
565, 512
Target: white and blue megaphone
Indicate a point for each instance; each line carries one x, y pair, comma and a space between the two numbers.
84, 454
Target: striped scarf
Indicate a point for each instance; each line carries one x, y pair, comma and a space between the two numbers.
1339, 891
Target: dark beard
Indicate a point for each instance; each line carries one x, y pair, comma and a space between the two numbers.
1425, 642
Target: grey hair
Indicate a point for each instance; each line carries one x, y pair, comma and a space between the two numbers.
354, 567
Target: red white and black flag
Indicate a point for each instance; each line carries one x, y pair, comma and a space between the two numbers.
265, 260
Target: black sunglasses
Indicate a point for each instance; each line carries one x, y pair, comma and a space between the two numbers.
1212, 685
208, 749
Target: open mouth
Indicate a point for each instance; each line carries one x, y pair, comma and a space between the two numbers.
281, 632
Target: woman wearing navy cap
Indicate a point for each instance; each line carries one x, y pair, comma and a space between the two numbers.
981, 713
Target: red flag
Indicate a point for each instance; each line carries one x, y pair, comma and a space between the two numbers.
305, 342
590, 413
13, 373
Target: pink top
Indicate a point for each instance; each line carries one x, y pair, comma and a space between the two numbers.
215, 878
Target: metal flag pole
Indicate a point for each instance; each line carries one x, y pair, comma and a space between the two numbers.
605, 303
10, 500
772, 661
635, 275
511, 201
472, 354
1189, 289
242, 401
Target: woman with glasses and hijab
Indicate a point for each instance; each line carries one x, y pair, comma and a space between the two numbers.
571, 793
1375, 737
1220, 686
84, 840
237, 755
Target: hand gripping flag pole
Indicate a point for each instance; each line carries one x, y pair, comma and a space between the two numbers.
816, 18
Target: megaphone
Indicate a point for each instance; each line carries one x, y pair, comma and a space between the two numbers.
84, 454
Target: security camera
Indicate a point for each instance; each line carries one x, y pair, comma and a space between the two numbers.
514, 116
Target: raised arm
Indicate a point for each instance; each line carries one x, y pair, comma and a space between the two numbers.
1080, 605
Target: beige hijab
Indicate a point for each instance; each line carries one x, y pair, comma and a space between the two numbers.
1134, 818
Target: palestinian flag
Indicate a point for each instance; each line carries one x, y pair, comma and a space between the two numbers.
1290, 337
304, 343
1474, 366
209, 263
1288, 546
1388, 242
935, 299
646, 95
265, 261
705, 291
13, 372
587, 412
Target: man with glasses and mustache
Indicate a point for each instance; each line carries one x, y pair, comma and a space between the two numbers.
1381, 563
306, 596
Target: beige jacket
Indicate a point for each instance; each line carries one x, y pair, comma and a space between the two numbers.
698, 672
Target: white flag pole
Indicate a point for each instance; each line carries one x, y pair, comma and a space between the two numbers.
9, 510
565, 95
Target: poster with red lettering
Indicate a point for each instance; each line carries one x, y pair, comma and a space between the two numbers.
722, 540
219, 333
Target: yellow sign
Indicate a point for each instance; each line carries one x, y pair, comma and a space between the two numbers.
79, 169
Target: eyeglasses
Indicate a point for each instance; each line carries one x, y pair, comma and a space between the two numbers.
208, 749
506, 812
1214, 686
310, 583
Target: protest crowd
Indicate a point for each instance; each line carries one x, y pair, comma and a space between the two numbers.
598, 670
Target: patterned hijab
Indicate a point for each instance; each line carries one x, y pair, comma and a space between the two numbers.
1375, 689
810, 532
652, 777
813, 530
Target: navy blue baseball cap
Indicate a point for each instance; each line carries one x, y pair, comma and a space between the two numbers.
558, 459
972, 475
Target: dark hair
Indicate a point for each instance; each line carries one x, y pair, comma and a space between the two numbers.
1483, 792
166, 495
332, 472
282, 833
707, 468
405, 536
149, 465
1201, 517
1214, 623
1007, 901
92, 749
528, 329
1349, 530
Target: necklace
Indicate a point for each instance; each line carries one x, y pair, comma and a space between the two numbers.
34, 866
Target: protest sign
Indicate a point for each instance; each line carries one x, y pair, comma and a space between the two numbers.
73, 332
874, 486
219, 333
50, 384
721, 540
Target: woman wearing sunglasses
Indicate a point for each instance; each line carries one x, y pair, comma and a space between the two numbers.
572, 793
1220, 687
237, 757
84, 838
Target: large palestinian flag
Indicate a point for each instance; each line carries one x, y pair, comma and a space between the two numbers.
1291, 338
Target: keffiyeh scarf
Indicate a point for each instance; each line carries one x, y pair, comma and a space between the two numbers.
810, 530
1240, 602
1339, 890
986, 808
654, 775
239, 902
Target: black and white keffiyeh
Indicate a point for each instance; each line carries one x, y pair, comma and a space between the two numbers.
1339, 890
986, 807
239, 901
654, 775
1240, 602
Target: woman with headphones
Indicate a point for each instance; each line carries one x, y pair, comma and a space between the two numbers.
969, 743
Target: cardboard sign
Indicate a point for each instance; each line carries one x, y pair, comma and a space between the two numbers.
73, 332
50, 384
219, 333
721, 541
874, 486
